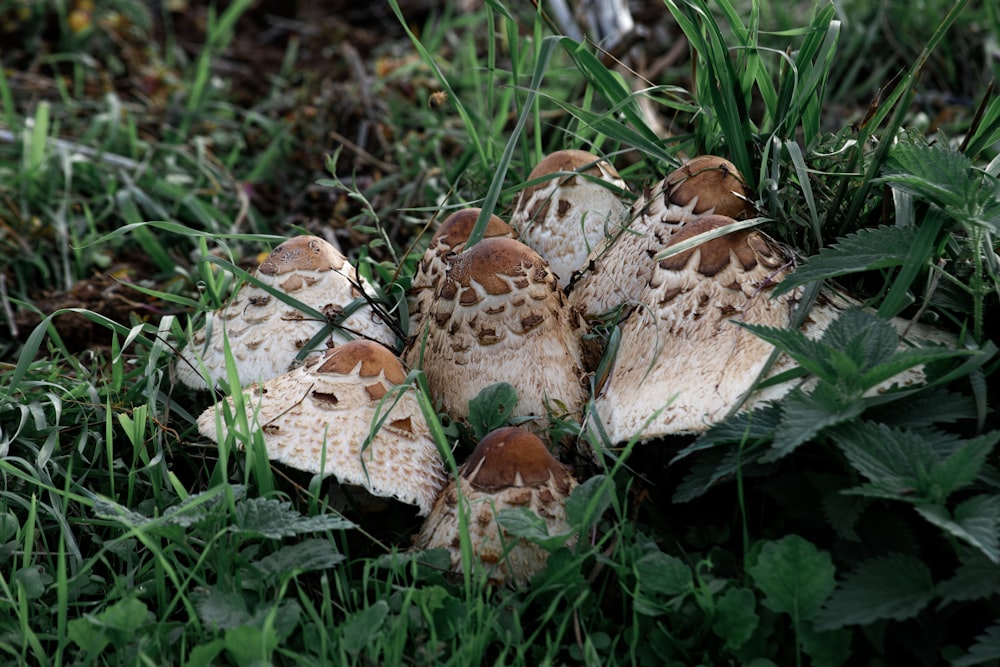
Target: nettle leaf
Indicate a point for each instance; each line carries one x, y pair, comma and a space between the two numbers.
976, 521
865, 250
810, 354
492, 408
865, 337
274, 519
522, 522
221, 610
804, 415
986, 648
937, 174
794, 576
712, 467
190, 512
747, 428
976, 578
934, 405
895, 586
306, 556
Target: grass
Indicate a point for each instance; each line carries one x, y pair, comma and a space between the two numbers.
146, 161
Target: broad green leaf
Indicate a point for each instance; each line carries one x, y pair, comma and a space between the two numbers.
936, 174
986, 649
492, 408
221, 610
661, 574
305, 556
795, 577
250, 645
359, 630
116, 625
735, 617
926, 408
32, 581
804, 415
865, 250
976, 578
812, 355
865, 337
895, 586
275, 519
522, 522
751, 426
976, 521
711, 467
826, 649
589, 500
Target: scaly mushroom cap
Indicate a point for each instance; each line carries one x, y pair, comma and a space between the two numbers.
618, 269
319, 416
509, 468
449, 238
680, 350
568, 215
499, 316
265, 334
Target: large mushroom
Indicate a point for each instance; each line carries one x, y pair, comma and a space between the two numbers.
345, 413
499, 316
680, 353
509, 468
449, 238
264, 333
619, 268
566, 216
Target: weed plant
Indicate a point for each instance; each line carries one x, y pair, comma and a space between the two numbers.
834, 527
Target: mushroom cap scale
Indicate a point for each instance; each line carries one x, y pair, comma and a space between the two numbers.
264, 333
449, 238
681, 344
319, 417
499, 316
509, 468
564, 217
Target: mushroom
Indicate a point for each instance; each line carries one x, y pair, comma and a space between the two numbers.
264, 333
323, 417
619, 268
679, 351
509, 468
449, 238
499, 316
565, 217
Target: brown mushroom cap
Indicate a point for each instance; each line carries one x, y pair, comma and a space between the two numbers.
264, 333
681, 343
319, 417
565, 217
499, 316
713, 183
449, 238
509, 468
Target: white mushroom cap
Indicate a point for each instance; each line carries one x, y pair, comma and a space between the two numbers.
619, 268
509, 468
318, 418
265, 334
449, 238
679, 349
568, 215
499, 316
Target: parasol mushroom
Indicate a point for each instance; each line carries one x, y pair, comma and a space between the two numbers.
320, 416
566, 216
264, 333
509, 468
499, 316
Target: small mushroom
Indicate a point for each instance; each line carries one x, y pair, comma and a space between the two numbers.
320, 418
566, 216
680, 351
449, 238
499, 316
264, 333
619, 268
509, 468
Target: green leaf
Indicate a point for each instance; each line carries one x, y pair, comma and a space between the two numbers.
250, 646
306, 556
275, 519
32, 581
826, 649
867, 249
894, 586
359, 630
804, 415
794, 576
522, 522
588, 501
976, 521
735, 617
934, 405
659, 576
116, 625
986, 648
865, 337
812, 355
934, 173
221, 610
492, 408
976, 578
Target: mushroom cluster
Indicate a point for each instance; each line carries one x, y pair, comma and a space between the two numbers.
678, 271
